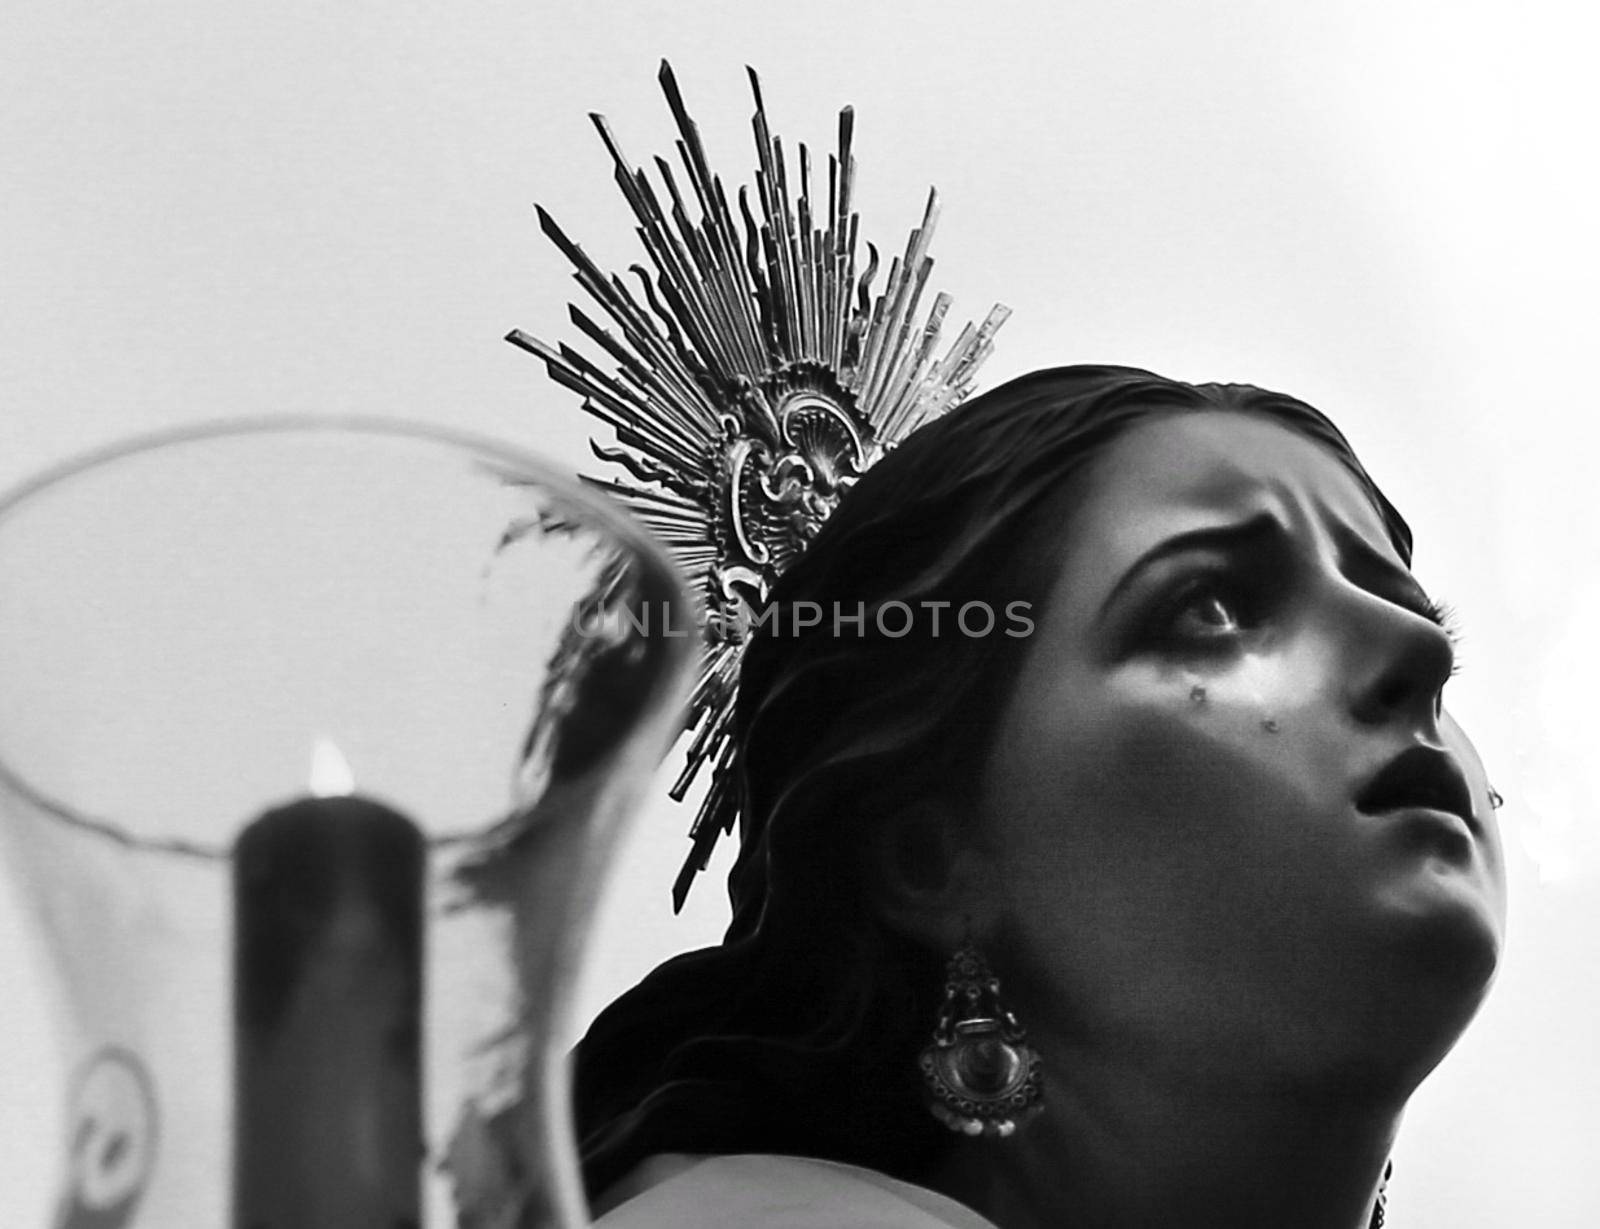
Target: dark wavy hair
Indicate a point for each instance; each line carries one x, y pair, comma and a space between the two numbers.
799, 1033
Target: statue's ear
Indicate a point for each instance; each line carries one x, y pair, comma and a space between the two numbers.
930, 878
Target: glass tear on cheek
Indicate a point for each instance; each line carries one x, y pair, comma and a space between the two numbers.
1197, 695
1270, 726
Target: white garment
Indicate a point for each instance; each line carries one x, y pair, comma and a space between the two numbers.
757, 1191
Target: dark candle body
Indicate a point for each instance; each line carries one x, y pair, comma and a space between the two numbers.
328, 899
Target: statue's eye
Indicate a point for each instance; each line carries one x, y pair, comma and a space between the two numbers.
1210, 613
1206, 608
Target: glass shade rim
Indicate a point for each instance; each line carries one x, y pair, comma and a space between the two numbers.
602, 514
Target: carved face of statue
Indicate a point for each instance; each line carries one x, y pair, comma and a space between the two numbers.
1226, 816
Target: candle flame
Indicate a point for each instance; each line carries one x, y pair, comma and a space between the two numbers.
330, 771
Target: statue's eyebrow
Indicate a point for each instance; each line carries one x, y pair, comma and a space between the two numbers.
1230, 536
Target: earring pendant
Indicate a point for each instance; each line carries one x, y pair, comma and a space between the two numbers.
980, 1075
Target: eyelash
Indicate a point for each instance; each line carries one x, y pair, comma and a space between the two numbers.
1444, 614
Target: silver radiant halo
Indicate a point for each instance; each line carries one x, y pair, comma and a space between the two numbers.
754, 376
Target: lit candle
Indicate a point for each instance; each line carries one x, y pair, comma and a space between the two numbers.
327, 1003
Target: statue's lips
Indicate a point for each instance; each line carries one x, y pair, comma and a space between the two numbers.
1431, 828
1422, 781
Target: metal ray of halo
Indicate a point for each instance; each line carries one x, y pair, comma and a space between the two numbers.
756, 376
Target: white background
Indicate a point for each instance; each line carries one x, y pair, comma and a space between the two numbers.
1385, 208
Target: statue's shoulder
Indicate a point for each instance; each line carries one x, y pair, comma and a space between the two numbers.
762, 1191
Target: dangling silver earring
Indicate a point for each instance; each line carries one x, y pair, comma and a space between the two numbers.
981, 1076
1380, 1208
